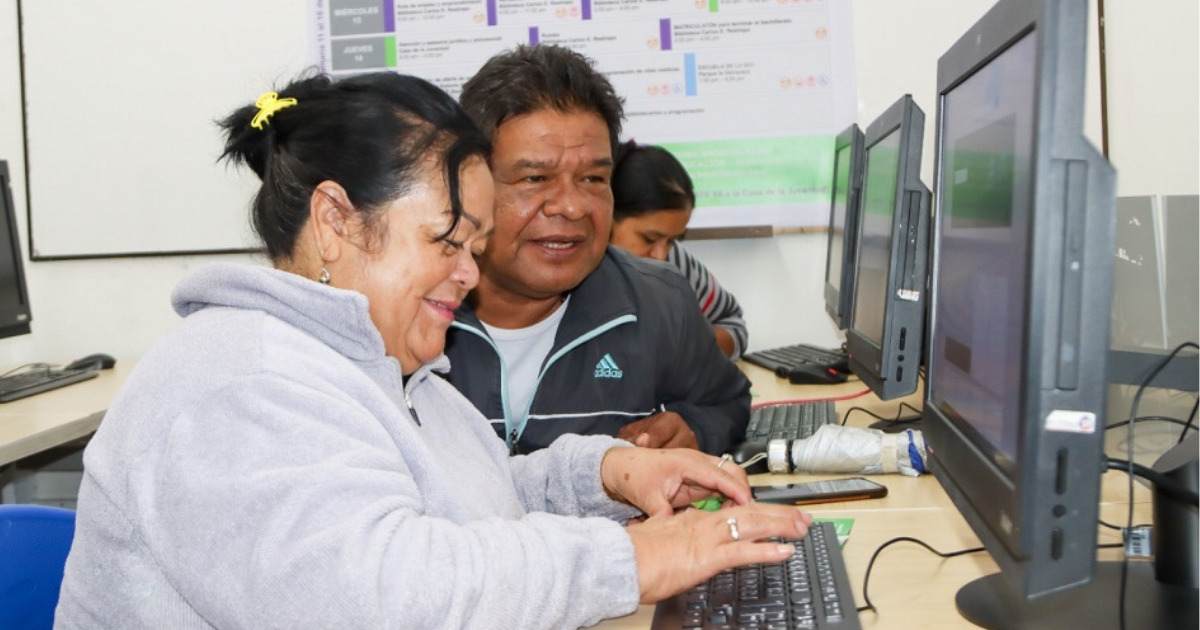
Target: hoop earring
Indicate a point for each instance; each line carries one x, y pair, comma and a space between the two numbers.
324, 279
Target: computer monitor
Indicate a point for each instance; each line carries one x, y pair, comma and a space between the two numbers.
885, 336
14, 298
843, 224
1020, 318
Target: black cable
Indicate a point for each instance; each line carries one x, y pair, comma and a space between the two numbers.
1118, 527
1148, 419
867, 605
1190, 420
1137, 400
1161, 482
897, 419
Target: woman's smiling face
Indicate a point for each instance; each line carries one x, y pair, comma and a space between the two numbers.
413, 281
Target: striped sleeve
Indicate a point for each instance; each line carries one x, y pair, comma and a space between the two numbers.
718, 305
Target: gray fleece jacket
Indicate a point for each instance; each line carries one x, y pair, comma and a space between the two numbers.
261, 468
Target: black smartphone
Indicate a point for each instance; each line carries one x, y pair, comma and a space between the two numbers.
847, 489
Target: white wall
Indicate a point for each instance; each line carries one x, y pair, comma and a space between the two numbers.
1153, 58
121, 306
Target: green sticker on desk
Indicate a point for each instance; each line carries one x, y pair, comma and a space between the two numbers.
841, 526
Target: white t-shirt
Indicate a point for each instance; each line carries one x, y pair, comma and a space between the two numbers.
523, 351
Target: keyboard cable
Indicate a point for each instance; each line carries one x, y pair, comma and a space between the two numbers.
27, 367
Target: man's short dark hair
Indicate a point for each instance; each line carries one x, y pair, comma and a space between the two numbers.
530, 78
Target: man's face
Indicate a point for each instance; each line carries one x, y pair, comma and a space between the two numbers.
553, 202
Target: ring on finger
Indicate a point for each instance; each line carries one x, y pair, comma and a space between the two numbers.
724, 458
733, 530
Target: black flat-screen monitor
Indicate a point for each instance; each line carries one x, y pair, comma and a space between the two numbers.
885, 335
843, 224
1020, 318
14, 298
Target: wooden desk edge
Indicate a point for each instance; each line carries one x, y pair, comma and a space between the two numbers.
54, 436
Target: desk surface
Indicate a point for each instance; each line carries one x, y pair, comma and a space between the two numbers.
910, 587
43, 421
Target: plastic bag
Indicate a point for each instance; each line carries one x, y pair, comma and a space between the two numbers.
839, 449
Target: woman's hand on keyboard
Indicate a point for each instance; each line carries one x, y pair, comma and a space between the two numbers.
675, 552
659, 481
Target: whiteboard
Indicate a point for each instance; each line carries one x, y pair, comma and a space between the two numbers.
121, 100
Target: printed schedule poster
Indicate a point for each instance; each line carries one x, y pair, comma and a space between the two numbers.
748, 94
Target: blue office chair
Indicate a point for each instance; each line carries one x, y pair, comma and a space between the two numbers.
34, 541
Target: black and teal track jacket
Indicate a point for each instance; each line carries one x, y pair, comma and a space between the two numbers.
632, 343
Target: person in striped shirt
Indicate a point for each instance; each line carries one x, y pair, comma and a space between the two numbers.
653, 200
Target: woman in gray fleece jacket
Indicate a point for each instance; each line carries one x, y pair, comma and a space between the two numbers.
287, 457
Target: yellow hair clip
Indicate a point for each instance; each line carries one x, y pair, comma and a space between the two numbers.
267, 105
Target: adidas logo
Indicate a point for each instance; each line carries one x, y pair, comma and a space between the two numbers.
607, 368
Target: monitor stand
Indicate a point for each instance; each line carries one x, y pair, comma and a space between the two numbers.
1161, 594
989, 603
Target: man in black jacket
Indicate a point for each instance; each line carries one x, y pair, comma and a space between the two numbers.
564, 334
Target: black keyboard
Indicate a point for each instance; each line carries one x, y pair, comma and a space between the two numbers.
789, 421
24, 384
782, 360
810, 590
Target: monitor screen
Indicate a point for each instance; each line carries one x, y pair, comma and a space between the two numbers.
987, 144
843, 225
875, 236
1020, 308
14, 298
884, 339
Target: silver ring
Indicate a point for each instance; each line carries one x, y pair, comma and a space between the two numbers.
724, 458
733, 530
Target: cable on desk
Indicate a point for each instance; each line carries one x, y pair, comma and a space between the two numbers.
897, 419
1105, 523
867, 605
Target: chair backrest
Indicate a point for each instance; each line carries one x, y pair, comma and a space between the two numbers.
34, 541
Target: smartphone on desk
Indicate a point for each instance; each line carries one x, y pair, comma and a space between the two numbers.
828, 491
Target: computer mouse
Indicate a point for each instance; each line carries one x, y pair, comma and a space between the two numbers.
841, 365
92, 362
746, 451
812, 374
